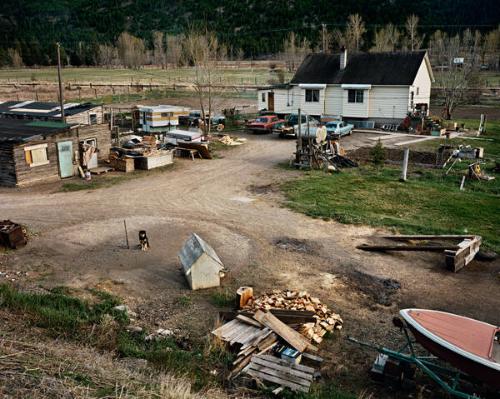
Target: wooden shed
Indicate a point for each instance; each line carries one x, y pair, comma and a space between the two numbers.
201, 265
40, 151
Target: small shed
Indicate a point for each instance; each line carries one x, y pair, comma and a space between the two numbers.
201, 265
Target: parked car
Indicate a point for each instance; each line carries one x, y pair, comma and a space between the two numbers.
194, 116
338, 128
290, 126
264, 124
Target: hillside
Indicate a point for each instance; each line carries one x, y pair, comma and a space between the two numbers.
258, 27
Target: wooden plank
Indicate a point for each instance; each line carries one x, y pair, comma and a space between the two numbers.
429, 248
283, 374
276, 380
427, 237
249, 320
300, 367
287, 368
295, 339
314, 358
224, 328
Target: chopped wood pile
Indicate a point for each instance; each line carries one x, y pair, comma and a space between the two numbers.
270, 327
325, 319
228, 140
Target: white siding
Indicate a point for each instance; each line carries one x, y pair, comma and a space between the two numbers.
355, 110
389, 102
283, 100
422, 85
311, 108
333, 100
262, 103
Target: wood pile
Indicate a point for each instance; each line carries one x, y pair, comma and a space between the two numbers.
267, 325
325, 319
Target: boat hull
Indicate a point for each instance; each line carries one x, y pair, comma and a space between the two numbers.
481, 372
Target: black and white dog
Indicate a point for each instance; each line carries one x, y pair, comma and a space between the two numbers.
143, 240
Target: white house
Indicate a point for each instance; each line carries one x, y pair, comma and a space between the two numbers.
377, 87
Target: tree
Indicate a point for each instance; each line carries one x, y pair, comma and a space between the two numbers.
131, 50
174, 50
203, 51
159, 56
15, 59
294, 50
412, 39
491, 48
107, 55
352, 37
458, 58
386, 39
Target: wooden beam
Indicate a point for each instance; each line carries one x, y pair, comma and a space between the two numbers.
431, 248
458, 259
428, 237
295, 339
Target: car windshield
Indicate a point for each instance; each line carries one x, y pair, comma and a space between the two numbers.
332, 125
262, 119
293, 119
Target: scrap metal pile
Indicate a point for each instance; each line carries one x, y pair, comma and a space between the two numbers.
272, 334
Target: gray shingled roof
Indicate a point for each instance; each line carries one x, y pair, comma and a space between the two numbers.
22, 130
364, 68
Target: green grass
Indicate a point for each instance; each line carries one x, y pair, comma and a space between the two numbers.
428, 202
59, 312
223, 298
491, 142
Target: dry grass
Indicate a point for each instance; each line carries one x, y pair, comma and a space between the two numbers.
43, 368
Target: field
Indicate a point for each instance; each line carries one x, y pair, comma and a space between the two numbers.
231, 76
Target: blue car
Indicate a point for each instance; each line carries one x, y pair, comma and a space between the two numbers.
338, 128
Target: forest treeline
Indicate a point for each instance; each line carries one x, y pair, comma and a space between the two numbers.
140, 32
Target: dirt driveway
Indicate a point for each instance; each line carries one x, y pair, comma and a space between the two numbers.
234, 203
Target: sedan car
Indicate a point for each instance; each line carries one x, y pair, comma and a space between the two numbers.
338, 128
264, 124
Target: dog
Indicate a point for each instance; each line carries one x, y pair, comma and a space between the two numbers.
143, 240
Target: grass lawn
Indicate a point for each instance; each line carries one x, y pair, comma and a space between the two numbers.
427, 203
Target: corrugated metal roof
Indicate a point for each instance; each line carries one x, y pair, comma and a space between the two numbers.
21, 131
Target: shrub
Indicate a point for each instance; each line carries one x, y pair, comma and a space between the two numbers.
378, 154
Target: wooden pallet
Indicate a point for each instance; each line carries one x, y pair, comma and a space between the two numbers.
269, 368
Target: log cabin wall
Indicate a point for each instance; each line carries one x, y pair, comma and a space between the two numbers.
7, 165
26, 174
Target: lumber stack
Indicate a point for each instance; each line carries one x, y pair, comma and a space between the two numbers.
325, 319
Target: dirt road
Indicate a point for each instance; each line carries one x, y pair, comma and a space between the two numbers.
234, 203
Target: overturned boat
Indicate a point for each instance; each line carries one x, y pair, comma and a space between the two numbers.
470, 345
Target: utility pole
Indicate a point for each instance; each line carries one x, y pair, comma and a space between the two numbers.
61, 98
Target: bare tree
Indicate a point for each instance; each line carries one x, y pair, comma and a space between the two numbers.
352, 37
294, 50
15, 58
386, 39
108, 55
412, 39
491, 49
159, 55
131, 50
203, 51
174, 50
457, 58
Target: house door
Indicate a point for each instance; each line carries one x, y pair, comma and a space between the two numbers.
270, 101
65, 156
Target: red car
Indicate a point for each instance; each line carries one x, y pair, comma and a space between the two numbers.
264, 124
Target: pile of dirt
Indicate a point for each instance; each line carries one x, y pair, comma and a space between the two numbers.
380, 289
295, 244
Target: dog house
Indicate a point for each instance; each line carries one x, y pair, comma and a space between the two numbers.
201, 265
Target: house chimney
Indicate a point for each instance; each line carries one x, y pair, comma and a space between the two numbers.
343, 57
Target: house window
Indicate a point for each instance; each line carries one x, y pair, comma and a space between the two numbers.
263, 96
418, 90
167, 114
312, 95
36, 155
355, 96
93, 119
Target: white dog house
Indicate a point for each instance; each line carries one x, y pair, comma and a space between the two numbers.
201, 265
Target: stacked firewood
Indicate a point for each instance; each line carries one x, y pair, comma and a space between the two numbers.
325, 319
